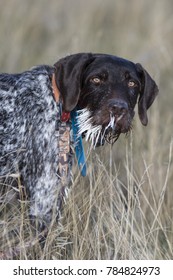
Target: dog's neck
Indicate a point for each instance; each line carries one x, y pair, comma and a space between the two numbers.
56, 91
66, 118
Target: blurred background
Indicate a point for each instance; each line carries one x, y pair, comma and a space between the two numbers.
40, 32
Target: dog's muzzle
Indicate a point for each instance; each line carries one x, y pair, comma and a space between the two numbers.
107, 126
119, 121
118, 109
119, 115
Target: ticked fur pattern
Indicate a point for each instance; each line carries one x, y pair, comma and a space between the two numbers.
31, 130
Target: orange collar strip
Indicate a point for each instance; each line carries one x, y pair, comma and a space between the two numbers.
65, 115
56, 92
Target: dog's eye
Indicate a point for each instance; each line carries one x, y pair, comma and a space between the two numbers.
132, 84
96, 80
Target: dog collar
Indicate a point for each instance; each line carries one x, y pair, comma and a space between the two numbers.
79, 150
65, 118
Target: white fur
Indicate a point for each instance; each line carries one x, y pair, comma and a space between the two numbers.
93, 132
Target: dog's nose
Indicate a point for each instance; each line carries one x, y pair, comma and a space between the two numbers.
118, 107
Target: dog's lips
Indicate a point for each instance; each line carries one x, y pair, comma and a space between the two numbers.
100, 127
114, 127
117, 124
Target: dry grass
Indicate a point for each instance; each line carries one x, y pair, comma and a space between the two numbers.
123, 209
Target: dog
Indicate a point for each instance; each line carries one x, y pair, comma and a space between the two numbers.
103, 88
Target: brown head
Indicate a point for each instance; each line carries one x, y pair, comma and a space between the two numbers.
106, 89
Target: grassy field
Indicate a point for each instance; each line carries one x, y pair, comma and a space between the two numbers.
123, 209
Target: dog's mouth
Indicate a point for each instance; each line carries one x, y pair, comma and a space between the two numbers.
97, 133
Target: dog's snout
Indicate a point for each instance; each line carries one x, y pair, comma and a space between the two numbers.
118, 107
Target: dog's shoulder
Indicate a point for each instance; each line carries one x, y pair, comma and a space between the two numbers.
9, 80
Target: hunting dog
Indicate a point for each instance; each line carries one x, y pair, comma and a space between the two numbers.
104, 88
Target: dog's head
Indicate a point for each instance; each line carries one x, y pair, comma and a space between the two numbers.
106, 89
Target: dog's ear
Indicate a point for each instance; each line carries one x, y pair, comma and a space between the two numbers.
68, 76
148, 93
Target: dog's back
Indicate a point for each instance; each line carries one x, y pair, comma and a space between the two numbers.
27, 135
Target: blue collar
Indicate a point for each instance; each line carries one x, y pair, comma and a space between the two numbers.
79, 150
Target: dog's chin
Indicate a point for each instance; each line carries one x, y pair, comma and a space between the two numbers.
111, 135
98, 133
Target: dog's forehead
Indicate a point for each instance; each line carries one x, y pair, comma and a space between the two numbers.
111, 63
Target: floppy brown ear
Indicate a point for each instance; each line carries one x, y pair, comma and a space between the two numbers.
68, 76
148, 93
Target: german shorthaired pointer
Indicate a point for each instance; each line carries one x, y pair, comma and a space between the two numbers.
35, 104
